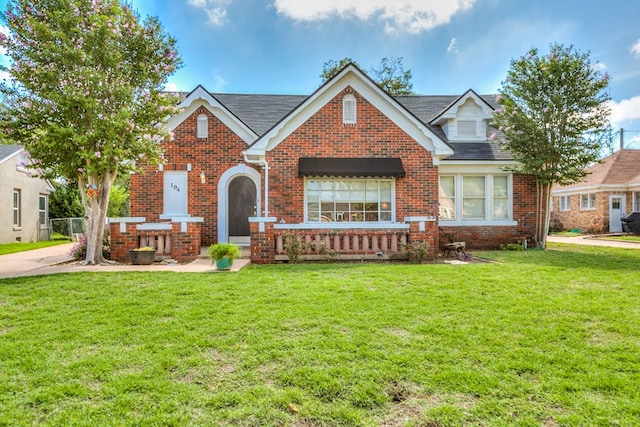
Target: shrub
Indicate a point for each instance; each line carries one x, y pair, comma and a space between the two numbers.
417, 251
293, 247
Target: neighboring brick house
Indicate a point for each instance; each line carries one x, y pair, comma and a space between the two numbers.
608, 193
349, 169
24, 216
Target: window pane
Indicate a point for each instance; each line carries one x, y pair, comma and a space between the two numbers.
500, 188
447, 186
349, 200
473, 186
473, 209
500, 209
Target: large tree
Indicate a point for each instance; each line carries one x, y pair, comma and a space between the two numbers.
554, 115
390, 74
85, 94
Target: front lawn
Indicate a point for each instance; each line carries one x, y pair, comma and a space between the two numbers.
541, 338
10, 248
623, 238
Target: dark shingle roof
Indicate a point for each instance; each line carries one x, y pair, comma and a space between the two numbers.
7, 150
262, 112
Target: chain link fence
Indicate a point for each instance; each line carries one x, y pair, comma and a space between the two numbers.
68, 227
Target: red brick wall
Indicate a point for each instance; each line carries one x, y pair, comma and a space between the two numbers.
213, 156
374, 135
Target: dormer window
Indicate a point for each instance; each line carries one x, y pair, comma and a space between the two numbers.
203, 126
467, 128
349, 109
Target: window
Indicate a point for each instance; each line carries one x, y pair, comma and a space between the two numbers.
565, 203
587, 201
500, 197
475, 198
636, 203
17, 214
349, 200
42, 211
349, 109
203, 126
467, 128
447, 197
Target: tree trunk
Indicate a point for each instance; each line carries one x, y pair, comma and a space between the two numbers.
547, 214
96, 202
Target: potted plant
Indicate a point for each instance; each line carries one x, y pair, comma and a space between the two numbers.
142, 256
223, 254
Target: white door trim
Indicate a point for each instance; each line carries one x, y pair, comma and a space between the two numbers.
615, 225
223, 196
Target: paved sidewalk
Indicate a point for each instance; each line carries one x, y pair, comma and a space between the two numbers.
593, 241
55, 259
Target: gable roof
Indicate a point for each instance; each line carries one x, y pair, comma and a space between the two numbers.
260, 113
352, 76
450, 111
621, 168
8, 151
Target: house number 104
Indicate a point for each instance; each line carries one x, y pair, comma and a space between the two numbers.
175, 187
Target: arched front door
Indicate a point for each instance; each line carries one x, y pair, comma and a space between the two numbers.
242, 195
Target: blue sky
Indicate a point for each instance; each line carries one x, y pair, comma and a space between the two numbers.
280, 46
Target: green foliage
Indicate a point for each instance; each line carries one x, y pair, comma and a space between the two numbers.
390, 74
554, 113
224, 250
118, 202
293, 247
417, 251
10, 248
85, 94
65, 201
554, 118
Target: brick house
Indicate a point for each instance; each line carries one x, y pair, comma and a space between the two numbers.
348, 169
608, 193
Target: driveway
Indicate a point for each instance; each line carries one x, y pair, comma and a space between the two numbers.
593, 241
56, 259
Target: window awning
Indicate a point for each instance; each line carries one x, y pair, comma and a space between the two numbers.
351, 167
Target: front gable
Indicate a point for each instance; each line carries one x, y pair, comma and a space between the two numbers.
200, 97
465, 120
350, 84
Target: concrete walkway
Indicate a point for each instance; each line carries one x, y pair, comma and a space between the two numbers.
593, 241
55, 259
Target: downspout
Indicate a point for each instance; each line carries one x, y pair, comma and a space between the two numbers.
265, 165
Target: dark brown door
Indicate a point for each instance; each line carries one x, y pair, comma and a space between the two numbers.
242, 205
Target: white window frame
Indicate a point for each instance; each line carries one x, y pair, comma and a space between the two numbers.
587, 201
202, 126
43, 214
349, 109
17, 207
347, 218
564, 203
489, 199
636, 201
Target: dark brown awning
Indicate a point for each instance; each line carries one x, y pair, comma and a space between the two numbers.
351, 167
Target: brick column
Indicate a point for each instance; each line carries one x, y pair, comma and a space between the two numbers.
123, 237
262, 240
186, 239
424, 228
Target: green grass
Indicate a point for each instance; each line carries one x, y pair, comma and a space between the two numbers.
567, 233
10, 248
623, 238
540, 338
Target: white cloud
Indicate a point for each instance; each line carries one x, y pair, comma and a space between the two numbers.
453, 46
635, 49
410, 16
215, 9
219, 82
171, 87
625, 111
600, 66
